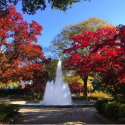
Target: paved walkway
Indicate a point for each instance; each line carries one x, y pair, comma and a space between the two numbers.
35, 115
58, 116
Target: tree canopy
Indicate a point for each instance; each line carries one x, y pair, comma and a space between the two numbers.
31, 6
106, 55
20, 58
62, 40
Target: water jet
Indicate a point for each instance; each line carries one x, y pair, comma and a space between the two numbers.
58, 92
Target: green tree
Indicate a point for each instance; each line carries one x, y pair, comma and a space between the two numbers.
31, 6
97, 84
51, 69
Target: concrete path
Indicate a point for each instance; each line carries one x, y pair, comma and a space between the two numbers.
58, 116
33, 115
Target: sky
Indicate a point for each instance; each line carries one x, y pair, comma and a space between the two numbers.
52, 22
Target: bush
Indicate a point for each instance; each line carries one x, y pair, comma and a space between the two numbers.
93, 97
121, 101
31, 97
103, 108
99, 104
121, 121
80, 98
96, 91
84, 98
121, 112
111, 109
7, 109
41, 96
10, 92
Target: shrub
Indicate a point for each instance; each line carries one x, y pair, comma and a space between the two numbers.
76, 87
10, 92
98, 105
93, 97
81, 98
121, 121
6, 109
121, 112
96, 91
103, 107
121, 101
111, 109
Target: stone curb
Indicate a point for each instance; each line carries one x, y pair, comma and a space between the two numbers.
102, 118
14, 118
57, 106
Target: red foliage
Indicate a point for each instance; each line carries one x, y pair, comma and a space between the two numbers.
76, 87
21, 50
37, 86
106, 54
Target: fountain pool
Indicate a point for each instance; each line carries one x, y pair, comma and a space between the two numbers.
75, 103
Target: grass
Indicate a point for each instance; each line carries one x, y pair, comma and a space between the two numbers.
100, 95
92, 96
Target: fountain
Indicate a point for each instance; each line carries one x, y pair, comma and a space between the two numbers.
57, 93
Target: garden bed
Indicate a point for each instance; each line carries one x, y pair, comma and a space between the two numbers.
10, 118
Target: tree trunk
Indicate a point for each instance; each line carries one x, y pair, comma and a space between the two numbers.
85, 78
115, 92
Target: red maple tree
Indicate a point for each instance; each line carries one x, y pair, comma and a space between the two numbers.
109, 58
86, 64
19, 58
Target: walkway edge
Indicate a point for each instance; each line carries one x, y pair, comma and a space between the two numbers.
102, 118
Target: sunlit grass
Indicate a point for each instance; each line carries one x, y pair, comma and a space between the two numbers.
95, 96
100, 95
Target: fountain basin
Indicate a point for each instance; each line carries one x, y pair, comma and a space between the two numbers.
39, 104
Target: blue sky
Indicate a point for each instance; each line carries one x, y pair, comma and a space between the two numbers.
112, 11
